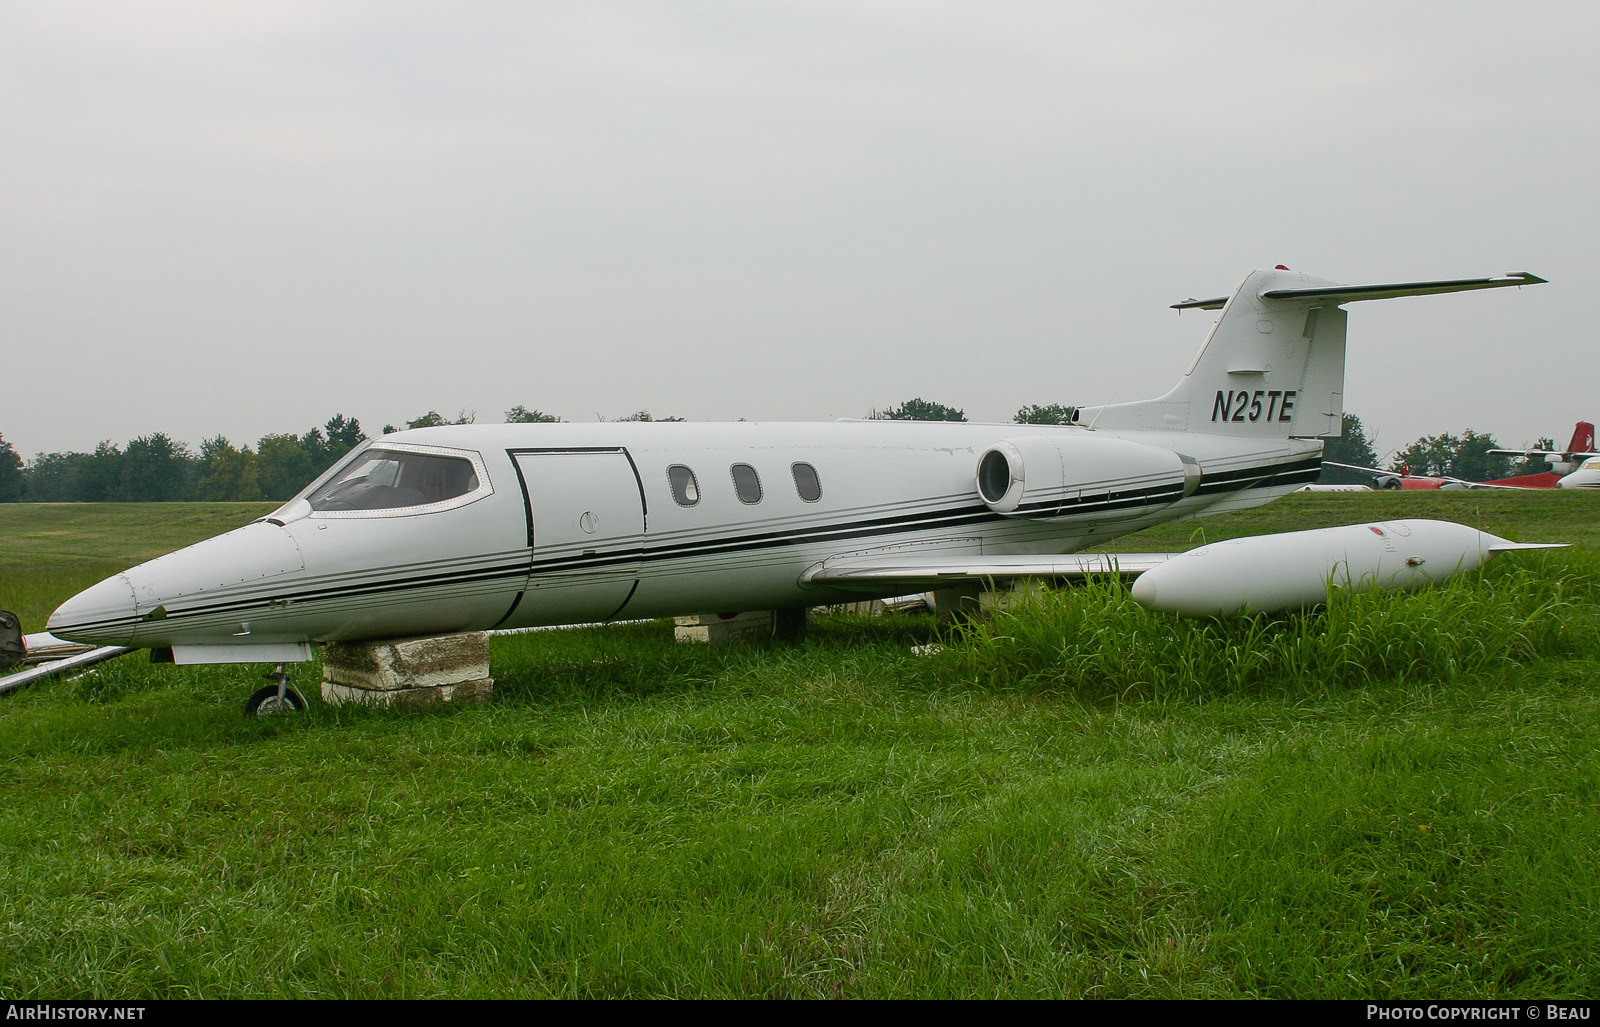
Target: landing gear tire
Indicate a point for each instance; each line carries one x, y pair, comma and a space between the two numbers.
267, 703
278, 697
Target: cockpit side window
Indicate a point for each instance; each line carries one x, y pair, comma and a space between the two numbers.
386, 479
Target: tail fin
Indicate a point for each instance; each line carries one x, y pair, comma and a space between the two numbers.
1562, 461
1273, 365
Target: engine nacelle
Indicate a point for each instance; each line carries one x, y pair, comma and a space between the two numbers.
1047, 477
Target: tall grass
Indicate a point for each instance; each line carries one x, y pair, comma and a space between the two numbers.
1096, 639
1398, 795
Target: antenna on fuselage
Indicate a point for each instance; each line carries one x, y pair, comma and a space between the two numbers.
1102, 409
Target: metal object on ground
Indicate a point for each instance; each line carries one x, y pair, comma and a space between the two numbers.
43, 647
50, 670
12, 651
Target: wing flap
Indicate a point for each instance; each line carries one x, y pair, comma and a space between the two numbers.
878, 573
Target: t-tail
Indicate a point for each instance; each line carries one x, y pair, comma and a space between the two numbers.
1273, 365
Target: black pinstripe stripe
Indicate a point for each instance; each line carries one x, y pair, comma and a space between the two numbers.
1120, 500
1299, 471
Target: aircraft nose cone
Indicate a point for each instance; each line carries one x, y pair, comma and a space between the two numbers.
103, 614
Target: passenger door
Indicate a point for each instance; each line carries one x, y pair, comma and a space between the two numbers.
586, 525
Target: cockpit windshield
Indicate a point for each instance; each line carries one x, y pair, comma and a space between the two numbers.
385, 479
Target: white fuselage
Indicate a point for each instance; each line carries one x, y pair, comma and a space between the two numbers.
1587, 476
570, 523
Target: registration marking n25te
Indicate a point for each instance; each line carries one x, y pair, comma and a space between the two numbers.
1244, 405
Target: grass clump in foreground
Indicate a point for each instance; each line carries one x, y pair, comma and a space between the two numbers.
1096, 639
1082, 799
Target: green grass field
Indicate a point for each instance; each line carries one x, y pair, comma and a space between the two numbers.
1395, 797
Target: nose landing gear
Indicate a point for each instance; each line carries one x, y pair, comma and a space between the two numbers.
276, 698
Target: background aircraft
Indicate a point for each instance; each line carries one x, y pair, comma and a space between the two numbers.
1575, 467
1569, 468
459, 528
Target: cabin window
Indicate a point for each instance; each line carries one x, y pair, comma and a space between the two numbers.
806, 482
746, 484
386, 479
685, 490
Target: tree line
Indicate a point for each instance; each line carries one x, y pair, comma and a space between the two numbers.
156, 468
1465, 456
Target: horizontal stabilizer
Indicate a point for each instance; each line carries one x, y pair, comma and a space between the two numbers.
877, 573
1216, 303
1511, 547
1352, 293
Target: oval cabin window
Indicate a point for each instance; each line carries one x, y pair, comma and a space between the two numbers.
685, 490
746, 484
806, 482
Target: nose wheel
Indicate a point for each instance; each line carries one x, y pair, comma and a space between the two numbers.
275, 698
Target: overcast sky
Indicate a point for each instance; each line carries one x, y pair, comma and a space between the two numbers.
241, 218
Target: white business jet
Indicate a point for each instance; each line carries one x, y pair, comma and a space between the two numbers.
470, 527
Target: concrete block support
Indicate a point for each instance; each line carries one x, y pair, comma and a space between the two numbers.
481, 690
787, 625
408, 671
1020, 591
958, 603
790, 623
721, 628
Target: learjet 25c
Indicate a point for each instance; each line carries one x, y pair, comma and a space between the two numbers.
468, 527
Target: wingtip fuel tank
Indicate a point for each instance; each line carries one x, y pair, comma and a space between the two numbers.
1294, 570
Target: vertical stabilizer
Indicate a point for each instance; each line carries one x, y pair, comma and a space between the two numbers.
1273, 365
1269, 369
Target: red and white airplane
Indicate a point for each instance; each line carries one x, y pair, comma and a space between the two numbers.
1577, 466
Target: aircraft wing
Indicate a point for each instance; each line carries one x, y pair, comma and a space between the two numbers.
1356, 467
1451, 482
1352, 293
1529, 453
1374, 471
883, 572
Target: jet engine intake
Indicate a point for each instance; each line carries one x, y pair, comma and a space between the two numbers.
1050, 477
